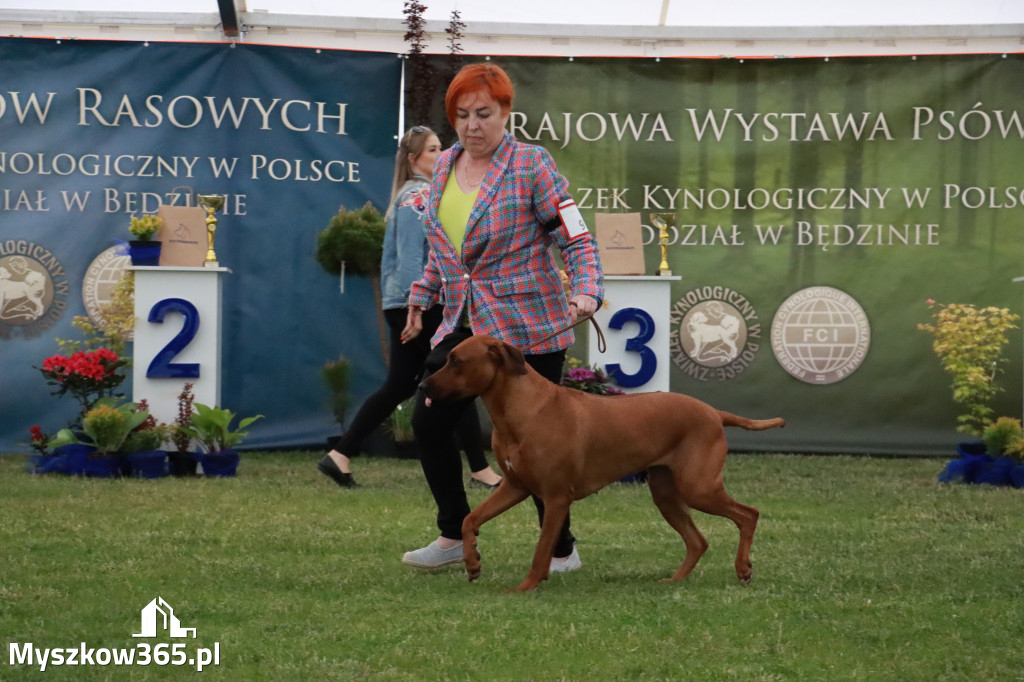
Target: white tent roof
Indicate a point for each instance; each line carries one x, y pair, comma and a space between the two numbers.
653, 28
604, 12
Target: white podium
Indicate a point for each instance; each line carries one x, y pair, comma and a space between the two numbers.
177, 336
635, 320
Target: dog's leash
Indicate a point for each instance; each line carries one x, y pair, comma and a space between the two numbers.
602, 345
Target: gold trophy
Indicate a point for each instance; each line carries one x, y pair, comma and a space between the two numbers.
211, 203
659, 222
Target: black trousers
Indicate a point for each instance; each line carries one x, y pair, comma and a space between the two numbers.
405, 369
434, 428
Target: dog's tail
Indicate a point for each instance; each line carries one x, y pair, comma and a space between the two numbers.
750, 424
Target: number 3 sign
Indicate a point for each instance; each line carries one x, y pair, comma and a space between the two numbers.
177, 336
635, 317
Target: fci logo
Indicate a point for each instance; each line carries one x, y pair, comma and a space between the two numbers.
820, 335
159, 613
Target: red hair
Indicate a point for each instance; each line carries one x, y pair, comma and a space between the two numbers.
485, 77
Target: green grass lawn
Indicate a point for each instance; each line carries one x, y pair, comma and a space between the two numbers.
864, 569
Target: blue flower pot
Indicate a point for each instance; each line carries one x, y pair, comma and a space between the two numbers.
72, 458
220, 464
105, 466
148, 464
974, 465
144, 253
1017, 476
44, 464
183, 463
995, 472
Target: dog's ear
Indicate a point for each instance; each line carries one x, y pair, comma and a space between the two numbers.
509, 357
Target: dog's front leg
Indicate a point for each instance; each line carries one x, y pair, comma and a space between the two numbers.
501, 500
555, 512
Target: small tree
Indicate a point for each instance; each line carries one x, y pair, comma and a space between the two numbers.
969, 342
356, 239
336, 375
453, 65
419, 90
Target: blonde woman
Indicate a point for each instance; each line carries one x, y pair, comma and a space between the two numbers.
402, 261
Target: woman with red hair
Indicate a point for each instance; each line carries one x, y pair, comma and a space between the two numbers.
496, 206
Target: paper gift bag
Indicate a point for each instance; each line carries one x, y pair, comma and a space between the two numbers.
620, 241
182, 235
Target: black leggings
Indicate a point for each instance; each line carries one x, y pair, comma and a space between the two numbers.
404, 370
434, 427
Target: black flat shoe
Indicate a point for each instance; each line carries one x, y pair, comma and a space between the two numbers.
329, 468
475, 483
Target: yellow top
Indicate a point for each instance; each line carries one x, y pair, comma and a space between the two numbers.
454, 210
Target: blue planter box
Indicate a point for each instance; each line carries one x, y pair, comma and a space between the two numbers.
220, 464
148, 464
974, 465
103, 467
144, 253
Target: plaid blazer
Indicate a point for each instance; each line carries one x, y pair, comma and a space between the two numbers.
506, 276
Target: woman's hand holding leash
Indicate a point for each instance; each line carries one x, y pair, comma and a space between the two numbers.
582, 306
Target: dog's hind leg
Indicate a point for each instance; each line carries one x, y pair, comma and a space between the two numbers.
555, 512
672, 506
720, 503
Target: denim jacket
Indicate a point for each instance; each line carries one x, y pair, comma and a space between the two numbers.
405, 243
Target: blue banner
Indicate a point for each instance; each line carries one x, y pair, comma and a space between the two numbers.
92, 133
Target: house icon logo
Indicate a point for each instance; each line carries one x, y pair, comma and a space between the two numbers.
159, 613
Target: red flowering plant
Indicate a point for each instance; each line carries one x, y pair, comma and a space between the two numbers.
86, 375
38, 439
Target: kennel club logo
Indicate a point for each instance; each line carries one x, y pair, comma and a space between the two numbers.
716, 333
33, 289
820, 335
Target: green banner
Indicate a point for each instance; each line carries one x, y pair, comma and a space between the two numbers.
815, 206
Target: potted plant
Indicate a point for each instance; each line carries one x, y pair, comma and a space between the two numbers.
1004, 444
105, 427
144, 250
587, 379
401, 421
43, 460
394, 438
336, 375
144, 447
211, 428
969, 342
87, 375
353, 242
182, 459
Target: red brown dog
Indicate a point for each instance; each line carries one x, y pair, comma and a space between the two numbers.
562, 445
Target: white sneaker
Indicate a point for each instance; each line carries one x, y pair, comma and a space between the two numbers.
433, 556
566, 564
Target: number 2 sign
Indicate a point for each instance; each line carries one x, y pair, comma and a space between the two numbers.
177, 336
